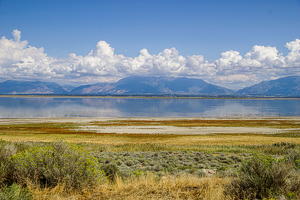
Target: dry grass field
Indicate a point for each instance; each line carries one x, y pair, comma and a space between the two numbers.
146, 187
151, 185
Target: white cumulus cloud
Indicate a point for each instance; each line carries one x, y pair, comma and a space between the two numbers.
18, 60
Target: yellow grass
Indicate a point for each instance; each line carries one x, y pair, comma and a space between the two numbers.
119, 139
145, 187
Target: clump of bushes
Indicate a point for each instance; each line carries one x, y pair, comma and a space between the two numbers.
15, 192
294, 157
265, 177
171, 162
110, 170
6, 151
49, 165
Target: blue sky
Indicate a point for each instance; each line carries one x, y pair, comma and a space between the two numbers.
174, 30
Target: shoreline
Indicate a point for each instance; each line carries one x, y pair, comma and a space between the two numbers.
91, 119
145, 97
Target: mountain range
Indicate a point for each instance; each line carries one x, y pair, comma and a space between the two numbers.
135, 85
152, 85
287, 86
30, 87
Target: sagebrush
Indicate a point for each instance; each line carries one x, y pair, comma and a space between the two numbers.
49, 165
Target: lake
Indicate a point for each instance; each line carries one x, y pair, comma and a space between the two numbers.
28, 107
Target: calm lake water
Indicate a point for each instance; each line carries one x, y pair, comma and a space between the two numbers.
17, 107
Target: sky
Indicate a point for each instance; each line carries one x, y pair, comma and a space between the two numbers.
232, 43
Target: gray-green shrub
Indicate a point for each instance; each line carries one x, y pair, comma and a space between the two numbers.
59, 162
7, 150
15, 192
263, 177
110, 170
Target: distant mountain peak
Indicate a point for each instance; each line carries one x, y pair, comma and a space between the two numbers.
156, 85
30, 87
286, 86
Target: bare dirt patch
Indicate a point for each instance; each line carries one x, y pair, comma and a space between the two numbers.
179, 130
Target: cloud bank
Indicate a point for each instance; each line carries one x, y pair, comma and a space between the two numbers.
18, 60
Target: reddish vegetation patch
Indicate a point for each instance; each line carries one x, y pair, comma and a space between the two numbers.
194, 123
39, 129
66, 129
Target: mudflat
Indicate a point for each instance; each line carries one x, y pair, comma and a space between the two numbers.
169, 125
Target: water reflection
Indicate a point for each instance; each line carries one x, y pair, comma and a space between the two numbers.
143, 107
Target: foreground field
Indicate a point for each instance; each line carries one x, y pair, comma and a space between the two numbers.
139, 165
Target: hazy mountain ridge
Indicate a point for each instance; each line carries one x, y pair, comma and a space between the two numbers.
30, 87
285, 87
154, 85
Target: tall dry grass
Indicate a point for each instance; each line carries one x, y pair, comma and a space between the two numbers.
145, 187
